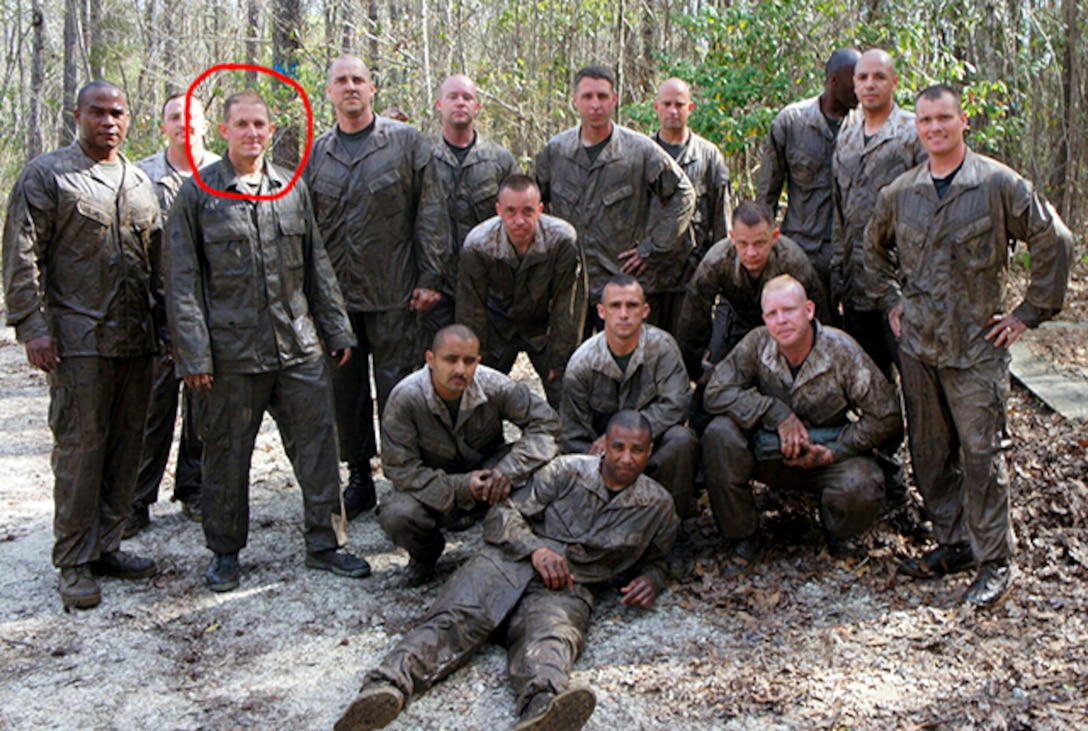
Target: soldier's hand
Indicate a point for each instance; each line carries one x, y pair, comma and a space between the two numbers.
895, 320
813, 456
480, 483
1006, 329
499, 487
794, 437
41, 352
597, 448
553, 568
555, 374
199, 382
341, 357
423, 299
632, 263
639, 593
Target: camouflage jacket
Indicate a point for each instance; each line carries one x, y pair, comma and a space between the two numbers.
721, 274
249, 286
539, 297
471, 187
81, 259
594, 388
705, 167
608, 203
861, 171
382, 215
797, 153
946, 260
167, 178
566, 507
838, 385
429, 457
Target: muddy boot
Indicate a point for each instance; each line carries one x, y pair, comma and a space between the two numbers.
567, 711
78, 588
123, 565
941, 561
375, 707
222, 573
991, 586
140, 519
338, 562
359, 495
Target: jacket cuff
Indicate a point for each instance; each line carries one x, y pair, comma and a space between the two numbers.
32, 327
341, 341
463, 499
776, 415
429, 280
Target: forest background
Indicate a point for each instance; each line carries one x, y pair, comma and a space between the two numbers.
1021, 64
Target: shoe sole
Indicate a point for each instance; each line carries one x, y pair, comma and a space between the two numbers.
906, 568
81, 602
568, 711
221, 586
143, 574
359, 573
371, 709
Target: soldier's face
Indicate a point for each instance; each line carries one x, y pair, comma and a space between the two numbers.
623, 309
788, 315
102, 121
874, 82
594, 99
453, 366
754, 244
173, 122
520, 211
941, 124
458, 103
626, 452
349, 87
673, 106
247, 131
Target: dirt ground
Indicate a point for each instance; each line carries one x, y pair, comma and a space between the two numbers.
801, 642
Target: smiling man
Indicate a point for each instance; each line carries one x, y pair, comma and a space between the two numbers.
444, 451
522, 286
814, 394
81, 270
580, 524
938, 246
254, 303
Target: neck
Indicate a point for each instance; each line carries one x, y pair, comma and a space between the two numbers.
246, 166
611, 482
459, 137
874, 120
796, 355
444, 393
355, 123
180, 161
673, 136
832, 107
111, 155
521, 246
944, 165
622, 346
595, 135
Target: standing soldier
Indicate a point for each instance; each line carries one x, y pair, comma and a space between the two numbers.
702, 162
798, 153
381, 212
168, 170
252, 297
601, 177
81, 249
868, 157
522, 286
938, 247
471, 169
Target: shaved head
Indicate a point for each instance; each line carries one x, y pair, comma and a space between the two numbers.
880, 56
456, 81
784, 283
676, 85
842, 59
348, 62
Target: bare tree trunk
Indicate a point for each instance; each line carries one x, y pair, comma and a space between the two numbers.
1066, 169
92, 35
286, 30
253, 29
71, 56
372, 15
427, 54
170, 49
37, 78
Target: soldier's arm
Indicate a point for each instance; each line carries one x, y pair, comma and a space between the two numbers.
539, 426
697, 313
772, 168
544, 177
574, 413
507, 524
839, 249
677, 197
873, 397
880, 253
322, 288
721, 203
652, 566
734, 389
472, 292
432, 228
673, 390
566, 313
28, 232
185, 285
1032, 220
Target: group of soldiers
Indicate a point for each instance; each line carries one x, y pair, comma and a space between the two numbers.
430, 264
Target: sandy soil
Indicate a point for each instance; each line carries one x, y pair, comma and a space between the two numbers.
801, 642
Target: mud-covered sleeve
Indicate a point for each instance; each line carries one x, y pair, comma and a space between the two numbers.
697, 313
472, 292
432, 223
185, 299
543, 173
539, 426
677, 197
574, 411
653, 564
880, 253
873, 398
322, 288
772, 168
507, 524
1035, 222
673, 400
734, 389
566, 314
28, 232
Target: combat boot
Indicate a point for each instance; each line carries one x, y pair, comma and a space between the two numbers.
567, 711
340, 563
222, 573
78, 587
137, 521
375, 707
942, 560
359, 495
991, 586
123, 565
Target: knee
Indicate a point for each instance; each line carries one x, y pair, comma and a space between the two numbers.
680, 442
723, 436
404, 515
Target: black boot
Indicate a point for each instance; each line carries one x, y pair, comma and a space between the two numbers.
359, 495
941, 561
222, 573
991, 586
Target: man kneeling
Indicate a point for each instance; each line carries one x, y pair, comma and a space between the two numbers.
581, 521
801, 404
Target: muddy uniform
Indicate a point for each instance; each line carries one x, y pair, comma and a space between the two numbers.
862, 169
655, 384
472, 190
383, 218
252, 298
754, 388
798, 153
162, 408
566, 507
946, 260
81, 258
723, 279
608, 203
532, 303
429, 455
702, 162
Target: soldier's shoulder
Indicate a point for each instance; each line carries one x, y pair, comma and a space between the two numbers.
721, 251
152, 164
557, 227
398, 130
492, 381
796, 109
586, 354
660, 341
649, 492
62, 160
562, 140
791, 251
483, 235
409, 389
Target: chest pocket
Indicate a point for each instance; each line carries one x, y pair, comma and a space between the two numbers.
292, 228
96, 213
974, 243
387, 194
226, 240
328, 198
808, 168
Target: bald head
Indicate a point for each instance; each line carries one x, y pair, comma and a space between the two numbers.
875, 80
842, 59
878, 57
348, 63
351, 91
458, 106
674, 85
674, 107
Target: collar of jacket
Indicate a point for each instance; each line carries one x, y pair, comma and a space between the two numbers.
479, 152
633, 495
969, 176
814, 117
231, 182
379, 138
891, 129
133, 177
472, 397
819, 359
573, 149
603, 362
